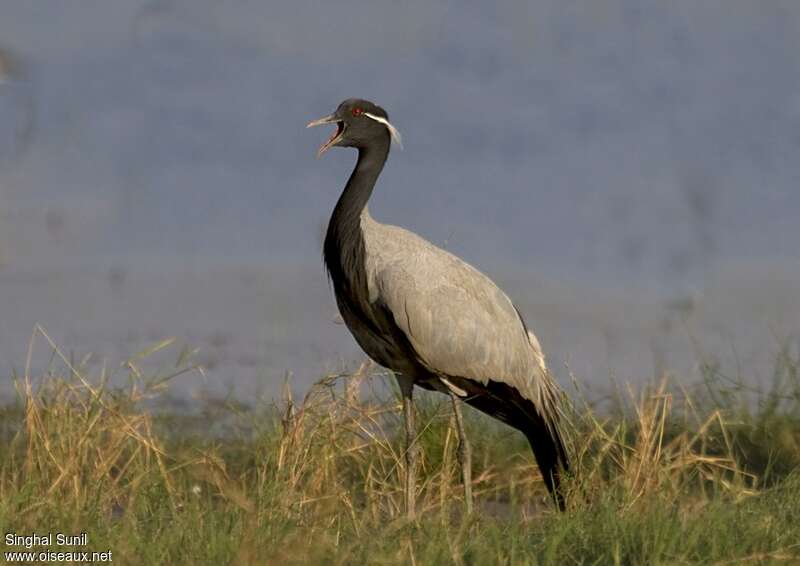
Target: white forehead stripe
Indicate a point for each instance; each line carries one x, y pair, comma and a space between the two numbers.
398, 139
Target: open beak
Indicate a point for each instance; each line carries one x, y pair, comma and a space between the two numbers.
335, 137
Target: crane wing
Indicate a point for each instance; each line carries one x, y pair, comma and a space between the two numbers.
457, 320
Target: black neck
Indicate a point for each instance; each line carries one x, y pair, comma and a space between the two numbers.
362, 180
344, 241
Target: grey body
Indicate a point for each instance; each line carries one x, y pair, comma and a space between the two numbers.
428, 315
459, 324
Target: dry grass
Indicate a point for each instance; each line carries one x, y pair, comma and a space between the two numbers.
658, 449
328, 468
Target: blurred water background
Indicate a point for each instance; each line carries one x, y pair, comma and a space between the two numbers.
628, 171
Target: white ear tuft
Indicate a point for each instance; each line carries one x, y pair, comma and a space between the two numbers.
396, 137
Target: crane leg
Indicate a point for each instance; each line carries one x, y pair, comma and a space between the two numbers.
412, 450
464, 453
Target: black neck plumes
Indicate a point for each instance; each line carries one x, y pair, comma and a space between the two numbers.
344, 243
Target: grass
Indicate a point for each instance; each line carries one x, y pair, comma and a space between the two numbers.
663, 475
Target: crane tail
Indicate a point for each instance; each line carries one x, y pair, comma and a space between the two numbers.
551, 456
540, 423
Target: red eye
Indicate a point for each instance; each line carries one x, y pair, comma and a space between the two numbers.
357, 111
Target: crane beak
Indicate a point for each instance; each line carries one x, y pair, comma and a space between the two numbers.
335, 137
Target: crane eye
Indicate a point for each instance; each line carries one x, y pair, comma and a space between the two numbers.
357, 111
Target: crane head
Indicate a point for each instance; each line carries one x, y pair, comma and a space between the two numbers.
359, 123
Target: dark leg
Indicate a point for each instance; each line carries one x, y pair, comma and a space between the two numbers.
464, 453
407, 389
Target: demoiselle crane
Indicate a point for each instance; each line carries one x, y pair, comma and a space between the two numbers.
431, 318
